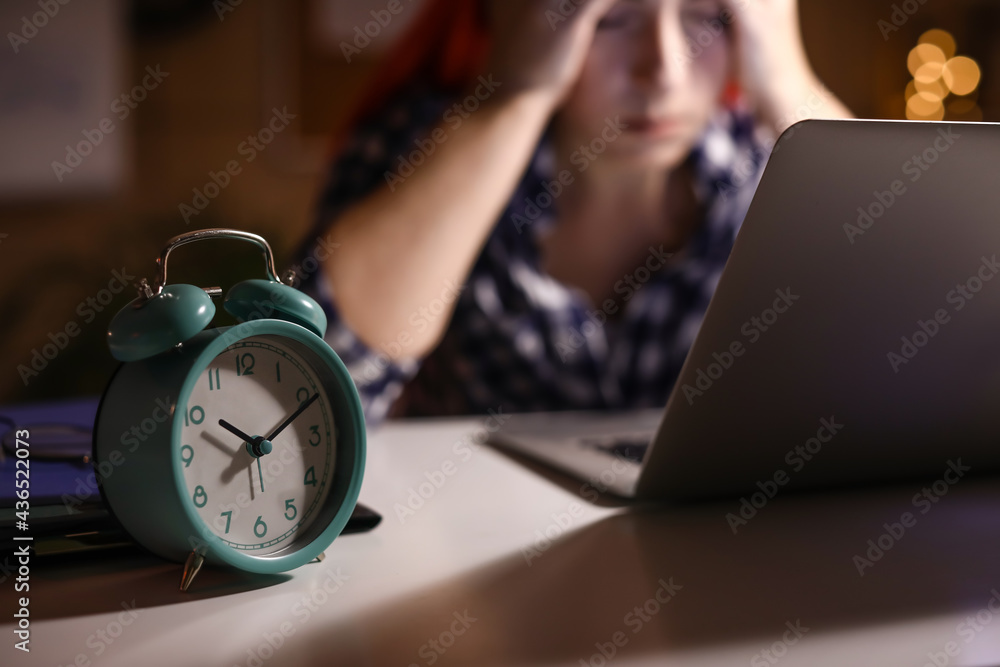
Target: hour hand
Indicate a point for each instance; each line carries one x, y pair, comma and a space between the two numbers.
253, 445
235, 431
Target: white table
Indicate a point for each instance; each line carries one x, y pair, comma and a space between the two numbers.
452, 584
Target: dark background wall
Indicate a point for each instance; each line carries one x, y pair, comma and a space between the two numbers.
226, 74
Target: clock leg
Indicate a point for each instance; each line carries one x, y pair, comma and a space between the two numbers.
320, 558
191, 568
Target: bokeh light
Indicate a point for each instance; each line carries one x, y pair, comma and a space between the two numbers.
961, 75
943, 84
941, 39
929, 72
924, 106
964, 108
921, 54
935, 87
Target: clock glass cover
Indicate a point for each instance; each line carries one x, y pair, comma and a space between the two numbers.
255, 489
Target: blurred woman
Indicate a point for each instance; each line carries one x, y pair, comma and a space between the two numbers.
532, 208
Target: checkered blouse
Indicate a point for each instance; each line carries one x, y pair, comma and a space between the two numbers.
519, 340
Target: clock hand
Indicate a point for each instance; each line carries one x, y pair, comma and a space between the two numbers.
258, 446
255, 446
235, 431
305, 404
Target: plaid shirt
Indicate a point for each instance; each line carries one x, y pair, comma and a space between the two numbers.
519, 339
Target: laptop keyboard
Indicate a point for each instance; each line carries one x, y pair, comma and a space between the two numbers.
630, 447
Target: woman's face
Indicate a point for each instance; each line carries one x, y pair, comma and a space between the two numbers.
657, 66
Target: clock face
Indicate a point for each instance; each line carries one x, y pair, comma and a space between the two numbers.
260, 504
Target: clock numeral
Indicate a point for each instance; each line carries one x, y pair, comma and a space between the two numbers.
310, 479
244, 364
195, 415
290, 506
229, 519
213, 385
277, 370
260, 528
199, 492
187, 455
315, 432
302, 394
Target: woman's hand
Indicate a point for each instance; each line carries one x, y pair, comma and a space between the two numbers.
539, 46
772, 65
422, 234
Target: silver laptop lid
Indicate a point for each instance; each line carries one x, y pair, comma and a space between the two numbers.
855, 333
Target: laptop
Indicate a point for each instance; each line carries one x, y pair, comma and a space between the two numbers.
854, 336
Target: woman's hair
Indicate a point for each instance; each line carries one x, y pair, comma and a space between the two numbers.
446, 46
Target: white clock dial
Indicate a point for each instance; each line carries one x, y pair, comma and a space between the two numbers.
258, 504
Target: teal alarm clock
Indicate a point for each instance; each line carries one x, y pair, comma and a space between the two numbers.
242, 446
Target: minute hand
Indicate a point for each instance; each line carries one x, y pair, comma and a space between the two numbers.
305, 404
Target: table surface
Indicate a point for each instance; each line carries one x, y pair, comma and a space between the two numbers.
503, 563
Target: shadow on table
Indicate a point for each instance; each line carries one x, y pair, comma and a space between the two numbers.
102, 582
793, 562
